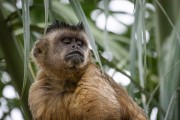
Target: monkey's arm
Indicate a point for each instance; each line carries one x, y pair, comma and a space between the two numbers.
130, 110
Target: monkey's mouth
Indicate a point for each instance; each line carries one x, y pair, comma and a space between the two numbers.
76, 57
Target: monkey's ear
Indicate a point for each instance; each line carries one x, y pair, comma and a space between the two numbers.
39, 48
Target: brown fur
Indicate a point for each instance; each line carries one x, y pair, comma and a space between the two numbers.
61, 92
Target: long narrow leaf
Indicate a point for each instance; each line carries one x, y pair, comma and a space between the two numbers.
26, 29
170, 71
138, 39
46, 7
105, 2
171, 106
133, 57
168, 18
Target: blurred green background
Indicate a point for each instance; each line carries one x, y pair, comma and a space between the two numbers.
138, 42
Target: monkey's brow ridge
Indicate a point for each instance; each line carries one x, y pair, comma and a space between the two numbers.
62, 25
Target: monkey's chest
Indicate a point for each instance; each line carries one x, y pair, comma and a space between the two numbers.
91, 101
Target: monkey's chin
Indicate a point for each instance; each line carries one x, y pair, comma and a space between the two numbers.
74, 60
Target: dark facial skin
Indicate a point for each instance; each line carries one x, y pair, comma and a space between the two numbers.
75, 50
68, 48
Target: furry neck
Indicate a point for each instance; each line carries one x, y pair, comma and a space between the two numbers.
63, 81
66, 73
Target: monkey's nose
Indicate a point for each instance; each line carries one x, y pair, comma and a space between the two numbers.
75, 46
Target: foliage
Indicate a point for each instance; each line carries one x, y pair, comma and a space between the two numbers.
149, 48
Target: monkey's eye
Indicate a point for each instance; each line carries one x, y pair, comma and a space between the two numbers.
79, 43
39, 50
66, 41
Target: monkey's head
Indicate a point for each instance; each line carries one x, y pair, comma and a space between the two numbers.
64, 46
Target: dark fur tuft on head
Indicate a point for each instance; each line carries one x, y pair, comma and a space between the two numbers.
62, 25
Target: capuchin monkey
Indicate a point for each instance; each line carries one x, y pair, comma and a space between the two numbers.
69, 86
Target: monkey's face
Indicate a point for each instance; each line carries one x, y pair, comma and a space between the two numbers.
62, 49
70, 48
75, 49
64, 46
